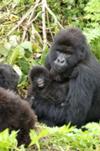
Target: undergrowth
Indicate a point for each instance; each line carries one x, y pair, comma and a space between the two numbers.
65, 138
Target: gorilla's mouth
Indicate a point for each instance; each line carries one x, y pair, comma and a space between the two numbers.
58, 69
61, 73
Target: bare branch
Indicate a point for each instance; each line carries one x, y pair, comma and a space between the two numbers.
44, 24
53, 15
34, 32
28, 25
24, 17
49, 26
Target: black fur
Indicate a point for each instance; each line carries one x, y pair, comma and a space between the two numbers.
16, 114
8, 77
49, 93
71, 62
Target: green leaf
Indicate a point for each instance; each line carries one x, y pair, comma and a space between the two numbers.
27, 45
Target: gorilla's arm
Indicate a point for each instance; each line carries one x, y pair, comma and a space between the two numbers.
80, 96
49, 113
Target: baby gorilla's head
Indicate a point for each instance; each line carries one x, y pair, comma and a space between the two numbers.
39, 77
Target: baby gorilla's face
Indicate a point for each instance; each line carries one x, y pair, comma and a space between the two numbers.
39, 77
41, 82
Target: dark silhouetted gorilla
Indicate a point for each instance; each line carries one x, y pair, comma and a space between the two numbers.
16, 114
71, 63
44, 90
8, 77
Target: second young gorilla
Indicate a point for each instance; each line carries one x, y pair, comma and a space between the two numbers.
71, 60
8, 77
16, 114
45, 92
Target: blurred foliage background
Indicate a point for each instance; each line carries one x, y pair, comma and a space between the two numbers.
27, 28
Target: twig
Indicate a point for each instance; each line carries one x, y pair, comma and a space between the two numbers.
28, 25
24, 17
38, 14
53, 15
34, 31
33, 11
5, 5
44, 24
29, 22
20, 21
49, 26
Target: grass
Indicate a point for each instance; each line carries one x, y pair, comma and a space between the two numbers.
63, 138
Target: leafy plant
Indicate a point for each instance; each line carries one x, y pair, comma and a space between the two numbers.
8, 141
67, 138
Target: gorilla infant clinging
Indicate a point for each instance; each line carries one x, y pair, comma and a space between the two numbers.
44, 93
16, 114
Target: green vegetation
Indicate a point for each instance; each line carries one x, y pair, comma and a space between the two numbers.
65, 138
27, 28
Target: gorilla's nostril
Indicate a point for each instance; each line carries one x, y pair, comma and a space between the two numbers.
62, 61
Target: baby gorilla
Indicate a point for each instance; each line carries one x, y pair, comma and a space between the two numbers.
8, 77
43, 92
16, 114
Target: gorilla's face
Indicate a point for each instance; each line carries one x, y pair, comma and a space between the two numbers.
40, 82
39, 77
65, 59
68, 50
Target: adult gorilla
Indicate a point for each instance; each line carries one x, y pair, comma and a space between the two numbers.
71, 60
